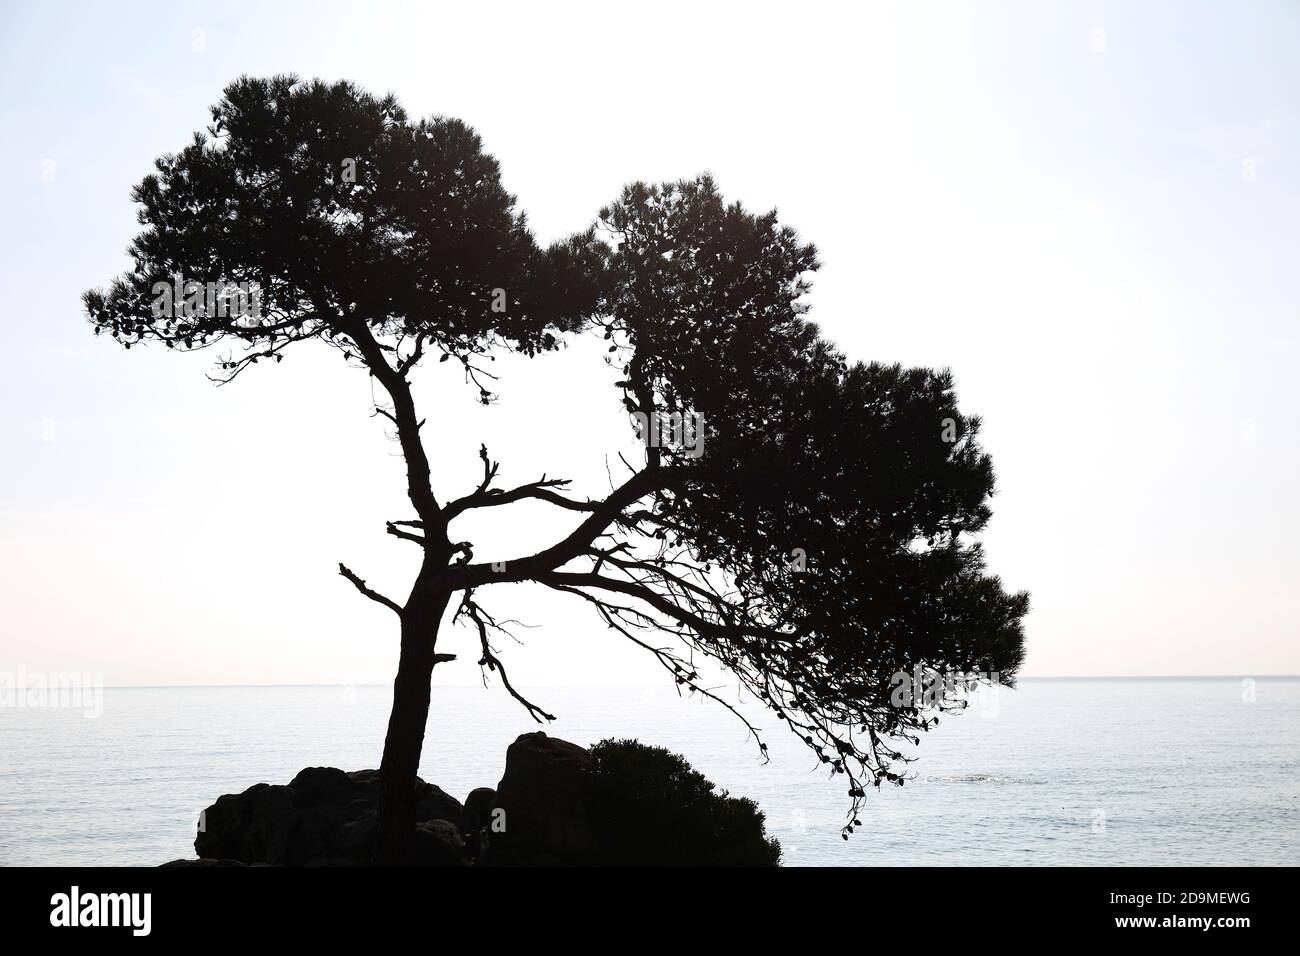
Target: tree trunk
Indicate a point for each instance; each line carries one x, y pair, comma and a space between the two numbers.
406, 723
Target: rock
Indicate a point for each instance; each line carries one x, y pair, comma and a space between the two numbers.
324, 817
255, 826
433, 803
478, 810
437, 843
358, 808
476, 816
356, 840
316, 837
320, 786
544, 795
201, 862
365, 778
619, 804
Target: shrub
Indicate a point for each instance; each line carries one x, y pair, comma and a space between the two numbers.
650, 808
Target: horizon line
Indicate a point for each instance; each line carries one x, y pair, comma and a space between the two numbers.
1037, 677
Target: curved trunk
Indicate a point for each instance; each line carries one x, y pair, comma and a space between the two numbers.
406, 723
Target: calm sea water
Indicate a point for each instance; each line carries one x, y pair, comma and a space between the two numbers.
1122, 772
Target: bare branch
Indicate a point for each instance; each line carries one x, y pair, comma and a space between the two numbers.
682, 673
539, 490
576, 543
373, 595
391, 528
482, 621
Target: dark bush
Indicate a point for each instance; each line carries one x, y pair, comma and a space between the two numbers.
649, 808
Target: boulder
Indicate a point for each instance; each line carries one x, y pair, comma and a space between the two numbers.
475, 818
201, 863
437, 843
433, 803
255, 826
544, 794
322, 786
356, 839
478, 810
324, 817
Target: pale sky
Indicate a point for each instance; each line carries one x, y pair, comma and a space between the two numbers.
1088, 211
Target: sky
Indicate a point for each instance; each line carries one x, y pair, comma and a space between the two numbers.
1087, 211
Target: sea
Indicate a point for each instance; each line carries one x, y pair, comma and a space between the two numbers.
1124, 772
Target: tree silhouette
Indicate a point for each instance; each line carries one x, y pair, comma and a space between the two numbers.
803, 521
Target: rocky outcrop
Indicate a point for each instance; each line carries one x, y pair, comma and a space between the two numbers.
438, 843
478, 809
537, 816
324, 817
540, 813
203, 863
254, 827
619, 804
475, 819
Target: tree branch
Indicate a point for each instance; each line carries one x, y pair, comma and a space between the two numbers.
682, 673
373, 595
485, 496
391, 528
576, 543
418, 475
534, 489
482, 620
